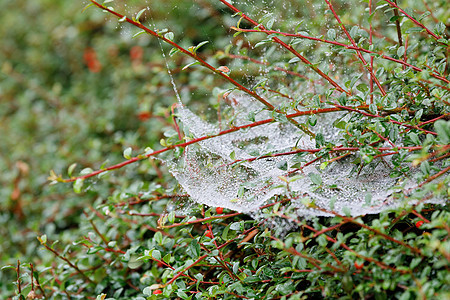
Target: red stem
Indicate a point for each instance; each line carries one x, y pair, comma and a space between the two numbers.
413, 20
358, 53
191, 54
288, 47
345, 46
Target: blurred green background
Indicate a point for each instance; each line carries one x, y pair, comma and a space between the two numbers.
77, 88
72, 89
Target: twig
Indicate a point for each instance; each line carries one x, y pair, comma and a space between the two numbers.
350, 47
289, 48
66, 260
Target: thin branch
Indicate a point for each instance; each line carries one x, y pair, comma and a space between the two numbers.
397, 25
350, 47
358, 53
288, 47
413, 20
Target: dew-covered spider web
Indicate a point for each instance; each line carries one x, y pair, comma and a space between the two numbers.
209, 172
244, 170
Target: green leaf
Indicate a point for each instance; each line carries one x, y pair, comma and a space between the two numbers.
78, 185
320, 140
354, 31
362, 87
173, 51
191, 64
71, 168
415, 262
86, 171
339, 124
331, 34
194, 248
395, 18
293, 60
282, 165
443, 130
134, 262
373, 109
368, 198
158, 237
167, 257
424, 15
315, 178
262, 43
414, 138
225, 232
233, 155
414, 30
199, 45
138, 33
332, 202
43, 239
171, 217
156, 254
401, 51
127, 153
425, 168
346, 211
312, 120
440, 28
139, 14
170, 36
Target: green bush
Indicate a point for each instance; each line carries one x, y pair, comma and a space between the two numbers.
87, 90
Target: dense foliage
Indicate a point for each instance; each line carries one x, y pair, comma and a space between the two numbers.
87, 95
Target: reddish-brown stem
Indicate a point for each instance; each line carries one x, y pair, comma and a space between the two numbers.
405, 55
420, 216
206, 255
371, 57
384, 138
233, 129
67, 261
201, 220
203, 63
358, 53
431, 11
194, 141
350, 47
138, 201
397, 25
37, 281
132, 213
434, 120
352, 220
288, 47
177, 128
437, 175
439, 158
96, 229
389, 120
315, 262
343, 245
19, 284
335, 149
413, 20
266, 64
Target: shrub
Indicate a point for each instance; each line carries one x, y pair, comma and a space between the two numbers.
326, 145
